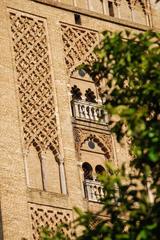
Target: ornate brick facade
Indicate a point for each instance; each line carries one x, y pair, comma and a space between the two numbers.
34, 81
55, 137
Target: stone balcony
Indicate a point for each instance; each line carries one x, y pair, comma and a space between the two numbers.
87, 111
93, 190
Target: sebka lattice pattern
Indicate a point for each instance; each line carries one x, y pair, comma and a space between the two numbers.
79, 44
47, 216
34, 80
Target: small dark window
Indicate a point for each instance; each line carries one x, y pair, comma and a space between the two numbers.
91, 144
82, 72
90, 96
87, 171
77, 18
76, 93
111, 9
99, 169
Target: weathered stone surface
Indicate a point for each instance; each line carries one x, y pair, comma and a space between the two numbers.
42, 146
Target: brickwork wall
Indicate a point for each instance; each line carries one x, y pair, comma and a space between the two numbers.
33, 153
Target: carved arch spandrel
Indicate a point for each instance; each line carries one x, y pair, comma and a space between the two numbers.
79, 44
103, 140
132, 4
143, 3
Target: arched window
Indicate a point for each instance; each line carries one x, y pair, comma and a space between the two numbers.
99, 170
87, 170
76, 93
90, 96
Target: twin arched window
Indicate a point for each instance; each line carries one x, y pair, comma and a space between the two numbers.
77, 94
88, 170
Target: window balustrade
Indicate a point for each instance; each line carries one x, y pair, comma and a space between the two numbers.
93, 190
87, 111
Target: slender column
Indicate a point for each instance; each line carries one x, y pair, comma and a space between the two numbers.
118, 10
42, 162
149, 13
89, 5
104, 7
26, 169
148, 18
74, 3
114, 150
132, 13
82, 178
62, 174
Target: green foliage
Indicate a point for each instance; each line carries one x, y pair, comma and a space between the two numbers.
130, 65
132, 69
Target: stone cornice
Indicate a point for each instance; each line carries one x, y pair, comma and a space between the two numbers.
92, 14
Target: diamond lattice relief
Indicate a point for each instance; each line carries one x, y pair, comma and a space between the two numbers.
47, 216
34, 80
78, 45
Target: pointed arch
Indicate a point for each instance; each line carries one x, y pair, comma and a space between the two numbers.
99, 142
133, 3
104, 141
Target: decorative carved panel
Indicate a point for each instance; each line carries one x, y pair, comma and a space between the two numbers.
34, 81
78, 45
102, 139
47, 216
133, 3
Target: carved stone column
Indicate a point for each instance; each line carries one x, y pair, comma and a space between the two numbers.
104, 7
42, 158
60, 161
132, 13
118, 4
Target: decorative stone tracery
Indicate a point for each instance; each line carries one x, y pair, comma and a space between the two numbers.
47, 216
133, 3
78, 45
103, 140
33, 72
34, 81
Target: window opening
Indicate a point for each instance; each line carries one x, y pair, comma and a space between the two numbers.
87, 171
77, 18
90, 96
82, 72
99, 170
76, 93
110, 9
91, 144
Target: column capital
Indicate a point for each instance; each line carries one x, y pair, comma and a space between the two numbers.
59, 158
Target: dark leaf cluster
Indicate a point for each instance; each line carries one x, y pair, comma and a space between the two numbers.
129, 65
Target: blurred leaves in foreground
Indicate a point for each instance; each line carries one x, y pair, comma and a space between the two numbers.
127, 73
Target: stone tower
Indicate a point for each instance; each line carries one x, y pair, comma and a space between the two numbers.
54, 133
